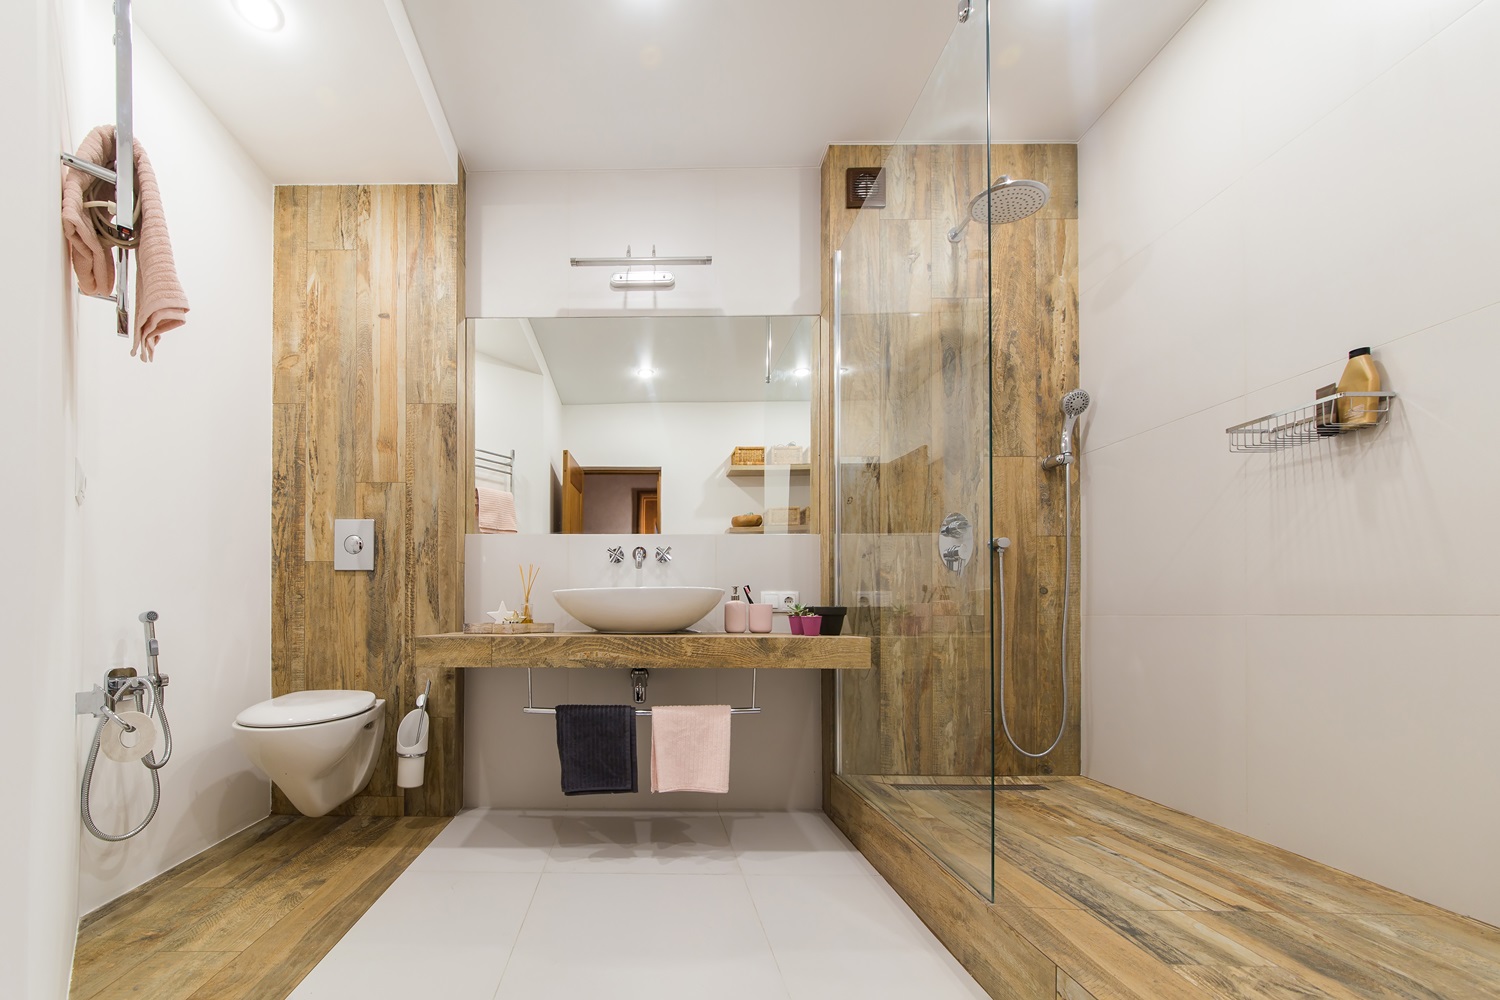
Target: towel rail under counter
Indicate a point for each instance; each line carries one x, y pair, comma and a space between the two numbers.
531, 707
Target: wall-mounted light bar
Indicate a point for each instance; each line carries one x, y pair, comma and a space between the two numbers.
632, 261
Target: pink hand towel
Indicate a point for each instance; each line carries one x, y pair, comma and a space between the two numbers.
160, 303
497, 511
690, 748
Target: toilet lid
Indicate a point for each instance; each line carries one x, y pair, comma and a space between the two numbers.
305, 708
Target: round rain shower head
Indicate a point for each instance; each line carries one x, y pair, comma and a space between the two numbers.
1003, 202
1009, 201
1075, 402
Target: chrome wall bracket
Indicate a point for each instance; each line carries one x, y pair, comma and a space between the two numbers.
965, 8
638, 678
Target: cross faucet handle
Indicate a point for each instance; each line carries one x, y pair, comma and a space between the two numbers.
664, 554
616, 554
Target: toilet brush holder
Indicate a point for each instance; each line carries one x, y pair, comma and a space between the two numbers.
411, 749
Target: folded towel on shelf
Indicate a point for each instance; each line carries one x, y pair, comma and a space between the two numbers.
690, 748
160, 303
596, 746
497, 510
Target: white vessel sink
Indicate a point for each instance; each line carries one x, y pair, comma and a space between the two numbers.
639, 609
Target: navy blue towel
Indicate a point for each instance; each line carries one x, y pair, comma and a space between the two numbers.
596, 746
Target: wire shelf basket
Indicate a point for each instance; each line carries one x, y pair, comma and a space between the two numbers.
1310, 423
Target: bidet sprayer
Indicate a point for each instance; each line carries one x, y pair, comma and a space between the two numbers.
153, 648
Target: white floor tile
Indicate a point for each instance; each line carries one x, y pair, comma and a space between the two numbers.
792, 843
445, 934
668, 843
650, 936
850, 936
490, 840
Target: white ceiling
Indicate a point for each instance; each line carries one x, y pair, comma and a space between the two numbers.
339, 95
351, 90
697, 359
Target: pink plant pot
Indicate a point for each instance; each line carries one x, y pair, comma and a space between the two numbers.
812, 624
795, 623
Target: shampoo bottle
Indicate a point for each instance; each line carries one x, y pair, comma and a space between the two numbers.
1360, 375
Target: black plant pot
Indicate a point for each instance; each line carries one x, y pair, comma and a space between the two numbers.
833, 619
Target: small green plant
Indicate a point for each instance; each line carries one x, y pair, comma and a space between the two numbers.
801, 611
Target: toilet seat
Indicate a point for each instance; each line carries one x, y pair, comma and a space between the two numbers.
305, 708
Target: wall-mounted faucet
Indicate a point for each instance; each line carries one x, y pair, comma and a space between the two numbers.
664, 554
639, 555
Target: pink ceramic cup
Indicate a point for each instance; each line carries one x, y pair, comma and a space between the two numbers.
760, 617
736, 616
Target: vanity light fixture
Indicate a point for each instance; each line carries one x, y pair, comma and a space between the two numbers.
634, 280
263, 14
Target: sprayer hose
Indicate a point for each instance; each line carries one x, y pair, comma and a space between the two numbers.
1062, 725
152, 765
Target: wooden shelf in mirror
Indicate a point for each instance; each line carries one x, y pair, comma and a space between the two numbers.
776, 651
759, 471
775, 529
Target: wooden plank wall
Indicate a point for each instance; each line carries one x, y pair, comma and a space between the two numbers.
370, 420
914, 401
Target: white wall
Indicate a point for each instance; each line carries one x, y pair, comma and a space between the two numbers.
510, 759
1300, 646
40, 585
519, 410
759, 225
692, 443
177, 456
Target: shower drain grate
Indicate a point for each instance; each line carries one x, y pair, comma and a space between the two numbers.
906, 786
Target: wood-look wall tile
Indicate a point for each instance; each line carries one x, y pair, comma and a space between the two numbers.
433, 310
330, 398
332, 217
288, 297
380, 308
385, 588
434, 584
288, 567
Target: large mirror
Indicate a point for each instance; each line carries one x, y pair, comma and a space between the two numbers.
637, 424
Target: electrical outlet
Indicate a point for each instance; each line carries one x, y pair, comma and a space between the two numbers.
780, 600
873, 598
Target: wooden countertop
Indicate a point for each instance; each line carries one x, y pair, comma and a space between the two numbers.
677, 649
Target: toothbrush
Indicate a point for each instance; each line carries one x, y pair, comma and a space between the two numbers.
748, 598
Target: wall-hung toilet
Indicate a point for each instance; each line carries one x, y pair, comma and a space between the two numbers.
318, 746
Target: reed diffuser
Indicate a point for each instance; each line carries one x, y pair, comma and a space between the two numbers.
528, 579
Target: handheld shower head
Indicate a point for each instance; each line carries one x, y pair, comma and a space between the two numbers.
1073, 405
1003, 202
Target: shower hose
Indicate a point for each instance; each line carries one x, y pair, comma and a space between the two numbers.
152, 765
1062, 725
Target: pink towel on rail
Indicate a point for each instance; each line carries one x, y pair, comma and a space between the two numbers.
690, 748
160, 303
497, 511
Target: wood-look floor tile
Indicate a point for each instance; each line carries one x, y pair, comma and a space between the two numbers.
249, 917
162, 975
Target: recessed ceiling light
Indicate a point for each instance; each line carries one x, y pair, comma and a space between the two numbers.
646, 372
263, 14
802, 372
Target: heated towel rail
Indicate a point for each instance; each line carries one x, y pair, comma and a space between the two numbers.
496, 463
123, 176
